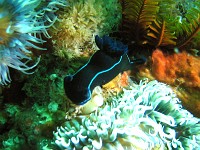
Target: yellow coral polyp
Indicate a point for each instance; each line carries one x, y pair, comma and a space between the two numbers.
79, 22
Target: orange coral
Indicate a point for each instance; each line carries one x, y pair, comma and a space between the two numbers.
181, 68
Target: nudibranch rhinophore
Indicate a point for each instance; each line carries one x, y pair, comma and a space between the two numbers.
103, 66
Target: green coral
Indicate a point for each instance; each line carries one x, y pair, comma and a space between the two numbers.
14, 141
47, 81
36, 115
148, 113
80, 21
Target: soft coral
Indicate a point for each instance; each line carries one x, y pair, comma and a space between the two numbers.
179, 67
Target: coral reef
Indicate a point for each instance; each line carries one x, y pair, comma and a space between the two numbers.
22, 23
173, 27
148, 113
28, 122
48, 82
121, 114
29, 128
80, 21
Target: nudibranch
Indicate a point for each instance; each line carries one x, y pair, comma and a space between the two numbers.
103, 66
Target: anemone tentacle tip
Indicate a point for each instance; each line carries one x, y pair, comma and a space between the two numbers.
22, 23
147, 113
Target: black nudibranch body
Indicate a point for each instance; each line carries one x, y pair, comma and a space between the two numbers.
103, 66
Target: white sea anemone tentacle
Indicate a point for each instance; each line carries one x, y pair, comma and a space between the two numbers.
22, 23
46, 13
148, 113
10, 58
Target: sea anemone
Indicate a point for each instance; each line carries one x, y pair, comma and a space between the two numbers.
46, 13
22, 23
148, 113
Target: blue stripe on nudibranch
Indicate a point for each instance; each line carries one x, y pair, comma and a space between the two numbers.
101, 68
99, 73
